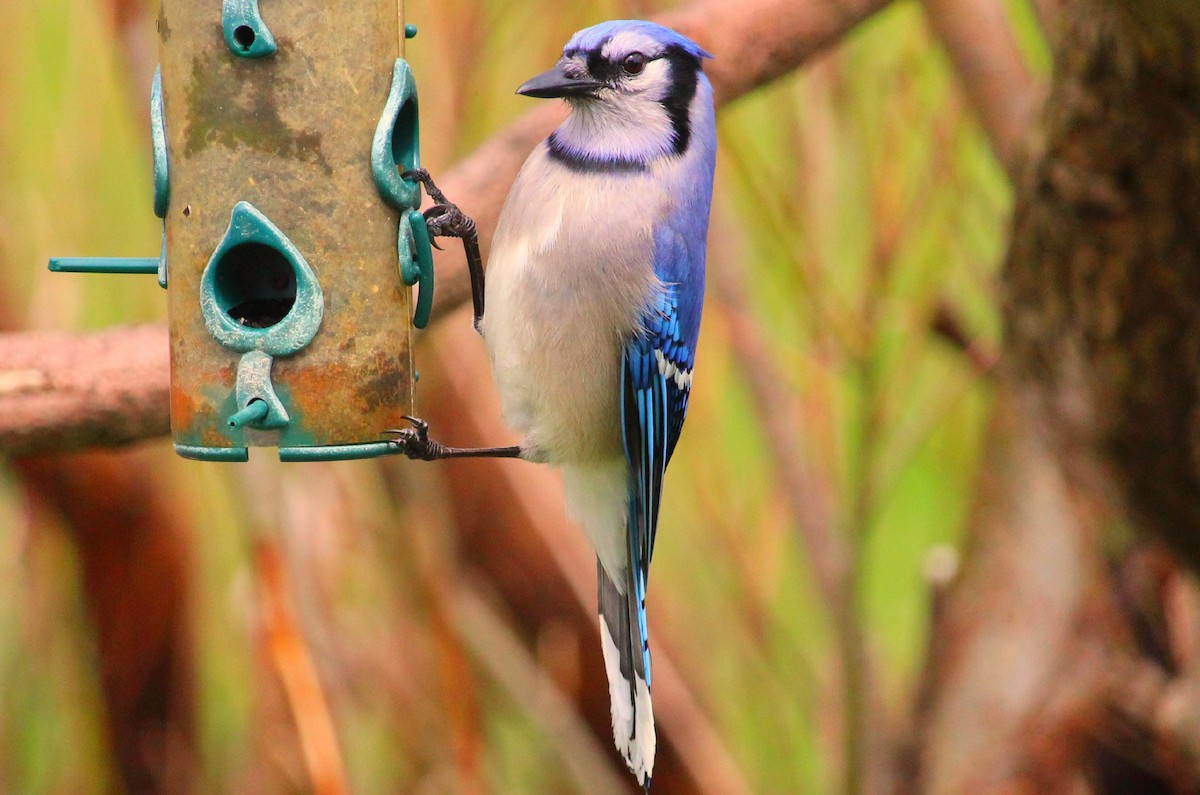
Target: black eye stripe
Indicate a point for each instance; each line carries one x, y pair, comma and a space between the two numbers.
599, 67
602, 68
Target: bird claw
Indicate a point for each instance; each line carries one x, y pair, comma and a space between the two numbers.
446, 220
414, 442
422, 175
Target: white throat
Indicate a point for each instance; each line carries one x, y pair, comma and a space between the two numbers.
626, 128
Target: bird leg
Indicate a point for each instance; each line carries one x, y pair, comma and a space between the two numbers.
415, 443
444, 219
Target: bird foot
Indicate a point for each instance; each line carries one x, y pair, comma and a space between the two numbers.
444, 219
422, 175
414, 442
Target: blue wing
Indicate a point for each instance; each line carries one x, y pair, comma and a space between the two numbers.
656, 383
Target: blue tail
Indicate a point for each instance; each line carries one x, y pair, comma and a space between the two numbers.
627, 662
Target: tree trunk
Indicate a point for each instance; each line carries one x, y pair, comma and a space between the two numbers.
1054, 665
1103, 276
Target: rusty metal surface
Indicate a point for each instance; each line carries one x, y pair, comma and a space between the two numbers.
291, 134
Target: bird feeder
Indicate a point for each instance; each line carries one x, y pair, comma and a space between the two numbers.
290, 240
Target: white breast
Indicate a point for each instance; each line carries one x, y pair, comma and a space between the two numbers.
569, 276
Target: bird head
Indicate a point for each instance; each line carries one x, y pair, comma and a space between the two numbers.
631, 86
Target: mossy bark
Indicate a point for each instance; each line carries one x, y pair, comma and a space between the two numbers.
1103, 276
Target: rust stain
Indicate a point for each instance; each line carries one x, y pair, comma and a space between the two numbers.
322, 405
385, 383
183, 408
334, 404
210, 436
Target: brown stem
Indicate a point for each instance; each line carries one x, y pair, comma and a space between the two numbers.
948, 324
298, 674
980, 42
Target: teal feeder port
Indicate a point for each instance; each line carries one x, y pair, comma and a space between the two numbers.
258, 292
259, 297
397, 144
246, 34
259, 407
162, 200
158, 139
395, 150
416, 263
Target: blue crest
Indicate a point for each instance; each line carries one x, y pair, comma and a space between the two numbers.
593, 38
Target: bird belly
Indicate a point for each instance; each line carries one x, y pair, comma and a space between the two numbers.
559, 381
567, 285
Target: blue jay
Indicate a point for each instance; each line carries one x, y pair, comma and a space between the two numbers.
593, 297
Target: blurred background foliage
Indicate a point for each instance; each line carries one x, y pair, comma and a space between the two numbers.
857, 203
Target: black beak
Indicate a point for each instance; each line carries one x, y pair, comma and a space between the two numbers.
556, 83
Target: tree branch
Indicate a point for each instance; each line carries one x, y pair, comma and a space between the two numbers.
61, 391
1166, 706
979, 41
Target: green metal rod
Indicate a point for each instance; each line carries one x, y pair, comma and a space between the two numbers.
104, 265
255, 410
196, 453
336, 452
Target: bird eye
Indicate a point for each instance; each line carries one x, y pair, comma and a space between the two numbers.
634, 63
